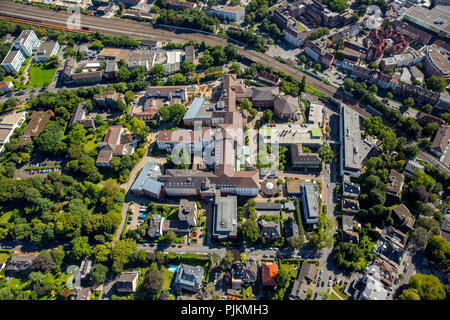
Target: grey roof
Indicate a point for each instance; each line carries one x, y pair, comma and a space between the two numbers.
111, 66
125, 281
247, 271
412, 165
79, 114
310, 202
269, 229
307, 272
267, 206
352, 143
373, 289
11, 55
23, 36
225, 217
351, 189
46, 48
189, 277
291, 230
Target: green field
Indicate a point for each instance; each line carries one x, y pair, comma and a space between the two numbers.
40, 75
5, 217
4, 257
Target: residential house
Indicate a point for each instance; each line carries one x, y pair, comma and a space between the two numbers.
181, 228
411, 167
291, 230
445, 227
243, 274
167, 92
395, 184
111, 69
35, 126
350, 206
46, 50
349, 222
306, 276
351, 190
81, 294
80, 116
269, 271
269, 78
109, 99
188, 278
6, 86
155, 226
20, 263
113, 144
7, 126
270, 230
22, 48
441, 141
127, 282
188, 212
403, 217
179, 5
369, 288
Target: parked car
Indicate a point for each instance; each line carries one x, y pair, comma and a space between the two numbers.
180, 246
329, 283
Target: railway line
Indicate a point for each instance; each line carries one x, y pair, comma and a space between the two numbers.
115, 26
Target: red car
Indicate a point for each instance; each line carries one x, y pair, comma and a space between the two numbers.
180, 245
194, 234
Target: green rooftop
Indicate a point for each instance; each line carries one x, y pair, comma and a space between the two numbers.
316, 132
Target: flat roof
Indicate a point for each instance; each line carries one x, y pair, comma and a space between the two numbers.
311, 195
232, 9
306, 134
351, 131
225, 216
436, 18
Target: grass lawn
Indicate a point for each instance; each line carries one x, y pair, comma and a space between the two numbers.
168, 276
17, 283
333, 296
39, 75
340, 291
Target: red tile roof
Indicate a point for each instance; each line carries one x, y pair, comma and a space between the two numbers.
269, 271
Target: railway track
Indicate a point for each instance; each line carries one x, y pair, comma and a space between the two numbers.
116, 26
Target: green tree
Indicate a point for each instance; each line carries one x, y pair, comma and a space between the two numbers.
326, 154
227, 260
409, 294
438, 251
153, 282
283, 278
102, 252
170, 237
98, 274
250, 230
81, 247
408, 102
436, 83
123, 75
121, 253
96, 45
268, 115
428, 287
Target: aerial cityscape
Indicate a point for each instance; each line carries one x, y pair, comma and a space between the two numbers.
224, 150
